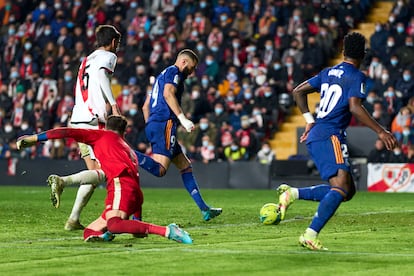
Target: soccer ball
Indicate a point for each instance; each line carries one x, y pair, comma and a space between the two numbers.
269, 214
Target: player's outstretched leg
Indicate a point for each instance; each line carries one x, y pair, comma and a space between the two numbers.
82, 197
95, 236
56, 185
191, 186
179, 235
287, 196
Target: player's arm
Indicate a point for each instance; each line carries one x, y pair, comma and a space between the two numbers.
362, 115
171, 99
145, 107
300, 94
105, 83
87, 136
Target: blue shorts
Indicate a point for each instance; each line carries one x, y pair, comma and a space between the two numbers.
163, 138
329, 156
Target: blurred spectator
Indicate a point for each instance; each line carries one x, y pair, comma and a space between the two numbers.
380, 115
379, 154
397, 156
371, 98
400, 122
383, 82
219, 115
207, 150
294, 73
389, 48
281, 39
247, 138
398, 32
392, 101
394, 69
295, 22
42, 9
67, 84
266, 155
8, 132
269, 53
410, 154
378, 39
230, 83
313, 58
201, 105
405, 85
64, 110
293, 51
243, 25
266, 26
375, 68
46, 86
9, 13
400, 12
234, 152
255, 67
236, 54
202, 129
406, 52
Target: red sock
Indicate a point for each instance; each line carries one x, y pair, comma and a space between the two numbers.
117, 225
89, 232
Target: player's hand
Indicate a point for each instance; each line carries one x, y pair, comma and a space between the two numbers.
388, 138
304, 135
187, 124
24, 142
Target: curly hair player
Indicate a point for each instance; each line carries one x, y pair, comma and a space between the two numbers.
342, 89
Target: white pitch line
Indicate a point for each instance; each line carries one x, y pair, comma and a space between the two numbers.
232, 225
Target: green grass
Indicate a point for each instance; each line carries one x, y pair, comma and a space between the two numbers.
370, 235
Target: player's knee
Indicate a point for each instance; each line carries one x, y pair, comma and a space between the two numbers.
113, 224
163, 171
350, 193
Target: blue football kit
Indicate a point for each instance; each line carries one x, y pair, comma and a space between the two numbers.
161, 128
326, 141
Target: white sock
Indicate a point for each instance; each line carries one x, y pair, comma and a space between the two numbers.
310, 233
82, 197
93, 177
295, 192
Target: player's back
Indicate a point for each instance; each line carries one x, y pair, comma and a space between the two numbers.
159, 110
336, 85
90, 101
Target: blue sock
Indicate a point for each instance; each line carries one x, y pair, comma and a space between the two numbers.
326, 209
191, 185
148, 164
315, 193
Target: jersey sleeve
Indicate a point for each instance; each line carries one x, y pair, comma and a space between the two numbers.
315, 81
87, 136
358, 86
108, 62
172, 76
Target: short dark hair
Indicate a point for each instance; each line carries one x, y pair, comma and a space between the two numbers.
105, 34
190, 53
117, 123
354, 45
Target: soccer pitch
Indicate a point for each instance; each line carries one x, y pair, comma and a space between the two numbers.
370, 235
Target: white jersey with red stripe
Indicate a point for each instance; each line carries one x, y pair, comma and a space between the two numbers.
92, 90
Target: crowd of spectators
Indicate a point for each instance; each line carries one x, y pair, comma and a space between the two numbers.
390, 67
252, 54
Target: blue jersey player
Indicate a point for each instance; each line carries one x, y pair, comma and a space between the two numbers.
342, 89
162, 113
